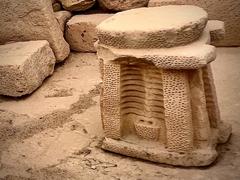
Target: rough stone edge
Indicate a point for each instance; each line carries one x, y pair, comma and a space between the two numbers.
28, 69
187, 62
195, 158
112, 38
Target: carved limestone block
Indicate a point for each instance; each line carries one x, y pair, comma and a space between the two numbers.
158, 99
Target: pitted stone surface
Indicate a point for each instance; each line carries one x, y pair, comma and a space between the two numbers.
81, 33
157, 27
24, 66
163, 111
32, 20
226, 11
192, 56
117, 5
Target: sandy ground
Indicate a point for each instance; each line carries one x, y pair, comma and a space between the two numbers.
56, 132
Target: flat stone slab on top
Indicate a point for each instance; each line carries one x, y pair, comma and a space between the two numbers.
156, 27
191, 56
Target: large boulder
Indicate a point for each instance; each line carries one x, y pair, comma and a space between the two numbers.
77, 5
116, 5
227, 11
32, 20
24, 66
81, 33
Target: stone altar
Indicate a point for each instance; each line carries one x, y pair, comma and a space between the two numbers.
158, 99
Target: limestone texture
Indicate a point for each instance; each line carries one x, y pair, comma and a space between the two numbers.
77, 5
24, 66
81, 33
62, 18
158, 99
116, 5
50, 143
226, 11
148, 31
32, 20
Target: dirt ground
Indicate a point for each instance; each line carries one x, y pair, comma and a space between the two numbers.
56, 132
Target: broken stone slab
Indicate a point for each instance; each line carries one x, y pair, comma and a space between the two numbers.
152, 33
32, 20
62, 17
81, 31
80, 5
117, 5
226, 11
24, 66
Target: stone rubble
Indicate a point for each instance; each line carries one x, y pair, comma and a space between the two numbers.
32, 20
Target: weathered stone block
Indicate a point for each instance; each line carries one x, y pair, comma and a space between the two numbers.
81, 31
62, 17
226, 11
24, 66
77, 5
32, 20
117, 5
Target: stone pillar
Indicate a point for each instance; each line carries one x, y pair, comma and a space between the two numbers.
111, 100
178, 112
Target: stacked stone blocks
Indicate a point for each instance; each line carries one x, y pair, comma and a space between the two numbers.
158, 96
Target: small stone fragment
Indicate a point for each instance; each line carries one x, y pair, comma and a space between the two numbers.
24, 66
81, 31
217, 30
77, 5
117, 5
56, 7
62, 17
